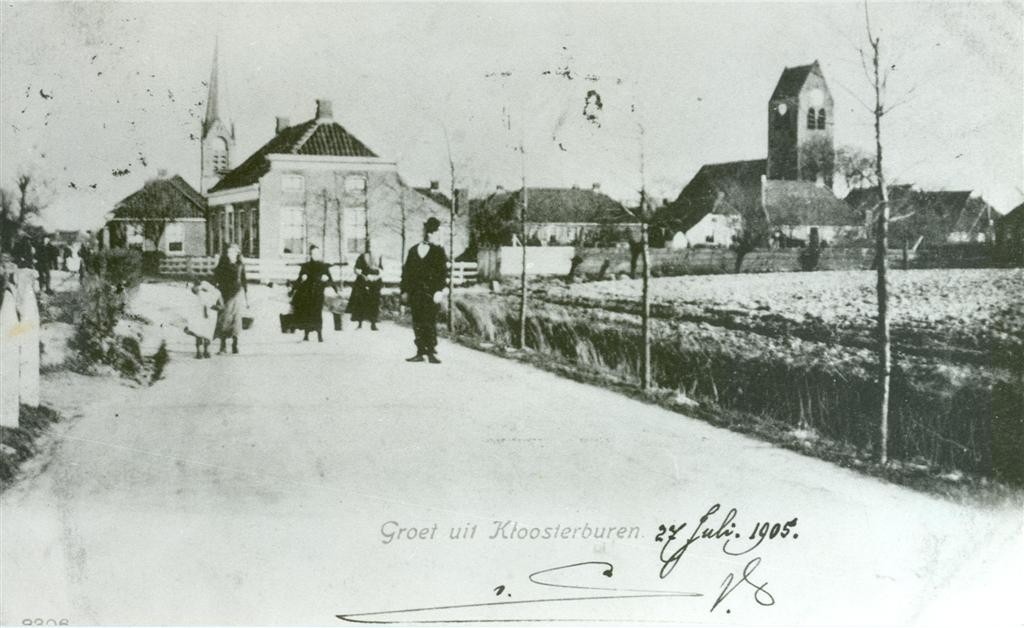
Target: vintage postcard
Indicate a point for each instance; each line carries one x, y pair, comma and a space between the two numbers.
340, 313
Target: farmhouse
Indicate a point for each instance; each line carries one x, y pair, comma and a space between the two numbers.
929, 218
555, 216
787, 194
166, 214
726, 202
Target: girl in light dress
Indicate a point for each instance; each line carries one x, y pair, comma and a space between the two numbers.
202, 319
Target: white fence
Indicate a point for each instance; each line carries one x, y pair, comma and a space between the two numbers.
279, 270
19, 357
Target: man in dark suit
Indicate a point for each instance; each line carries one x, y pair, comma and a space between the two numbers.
424, 276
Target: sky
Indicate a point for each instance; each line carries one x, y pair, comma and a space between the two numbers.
95, 98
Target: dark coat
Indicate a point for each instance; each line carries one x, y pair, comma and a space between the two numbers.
229, 278
427, 274
308, 295
364, 301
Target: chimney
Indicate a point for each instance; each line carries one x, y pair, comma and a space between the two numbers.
500, 188
596, 187
161, 173
281, 124
435, 185
323, 110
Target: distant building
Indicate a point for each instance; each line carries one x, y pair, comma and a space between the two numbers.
166, 214
929, 218
724, 203
784, 198
800, 210
1009, 234
555, 216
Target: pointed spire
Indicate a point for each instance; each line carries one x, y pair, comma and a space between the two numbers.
215, 106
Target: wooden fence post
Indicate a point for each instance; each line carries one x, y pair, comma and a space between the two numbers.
10, 358
28, 338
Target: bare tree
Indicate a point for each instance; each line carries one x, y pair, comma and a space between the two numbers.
523, 209
856, 167
881, 246
30, 198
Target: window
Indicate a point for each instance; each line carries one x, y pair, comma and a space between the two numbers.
241, 222
293, 230
821, 119
213, 226
811, 121
133, 235
174, 236
355, 185
355, 229
293, 184
219, 155
251, 241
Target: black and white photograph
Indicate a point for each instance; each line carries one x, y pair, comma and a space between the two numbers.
477, 313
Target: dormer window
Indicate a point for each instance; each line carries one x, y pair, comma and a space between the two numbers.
821, 119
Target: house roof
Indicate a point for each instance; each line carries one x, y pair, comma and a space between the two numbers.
933, 214
730, 188
170, 197
792, 81
806, 203
313, 137
435, 195
1014, 216
561, 205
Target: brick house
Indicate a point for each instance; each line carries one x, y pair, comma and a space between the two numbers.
316, 183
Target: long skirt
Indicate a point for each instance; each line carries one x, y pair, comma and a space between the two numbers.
229, 319
308, 308
364, 302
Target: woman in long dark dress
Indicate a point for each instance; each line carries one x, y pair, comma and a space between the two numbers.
229, 277
308, 294
364, 302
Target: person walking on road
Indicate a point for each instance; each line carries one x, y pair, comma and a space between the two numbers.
364, 301
229, 277
308, 294
202, 320
423, 288
46, 261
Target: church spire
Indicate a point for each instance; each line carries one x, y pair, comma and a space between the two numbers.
218, 135
215, 92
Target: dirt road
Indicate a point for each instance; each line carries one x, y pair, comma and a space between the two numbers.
263, 488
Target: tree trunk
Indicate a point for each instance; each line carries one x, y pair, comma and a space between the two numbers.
522, 276
451, 254
645, 313
882, 245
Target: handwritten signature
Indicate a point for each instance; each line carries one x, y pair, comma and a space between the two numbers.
761, 594
548, 578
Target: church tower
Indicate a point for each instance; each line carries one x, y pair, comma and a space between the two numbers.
800, 122
218, 136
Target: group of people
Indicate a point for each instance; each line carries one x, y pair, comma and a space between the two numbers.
44, 257
219, 306
307, 293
